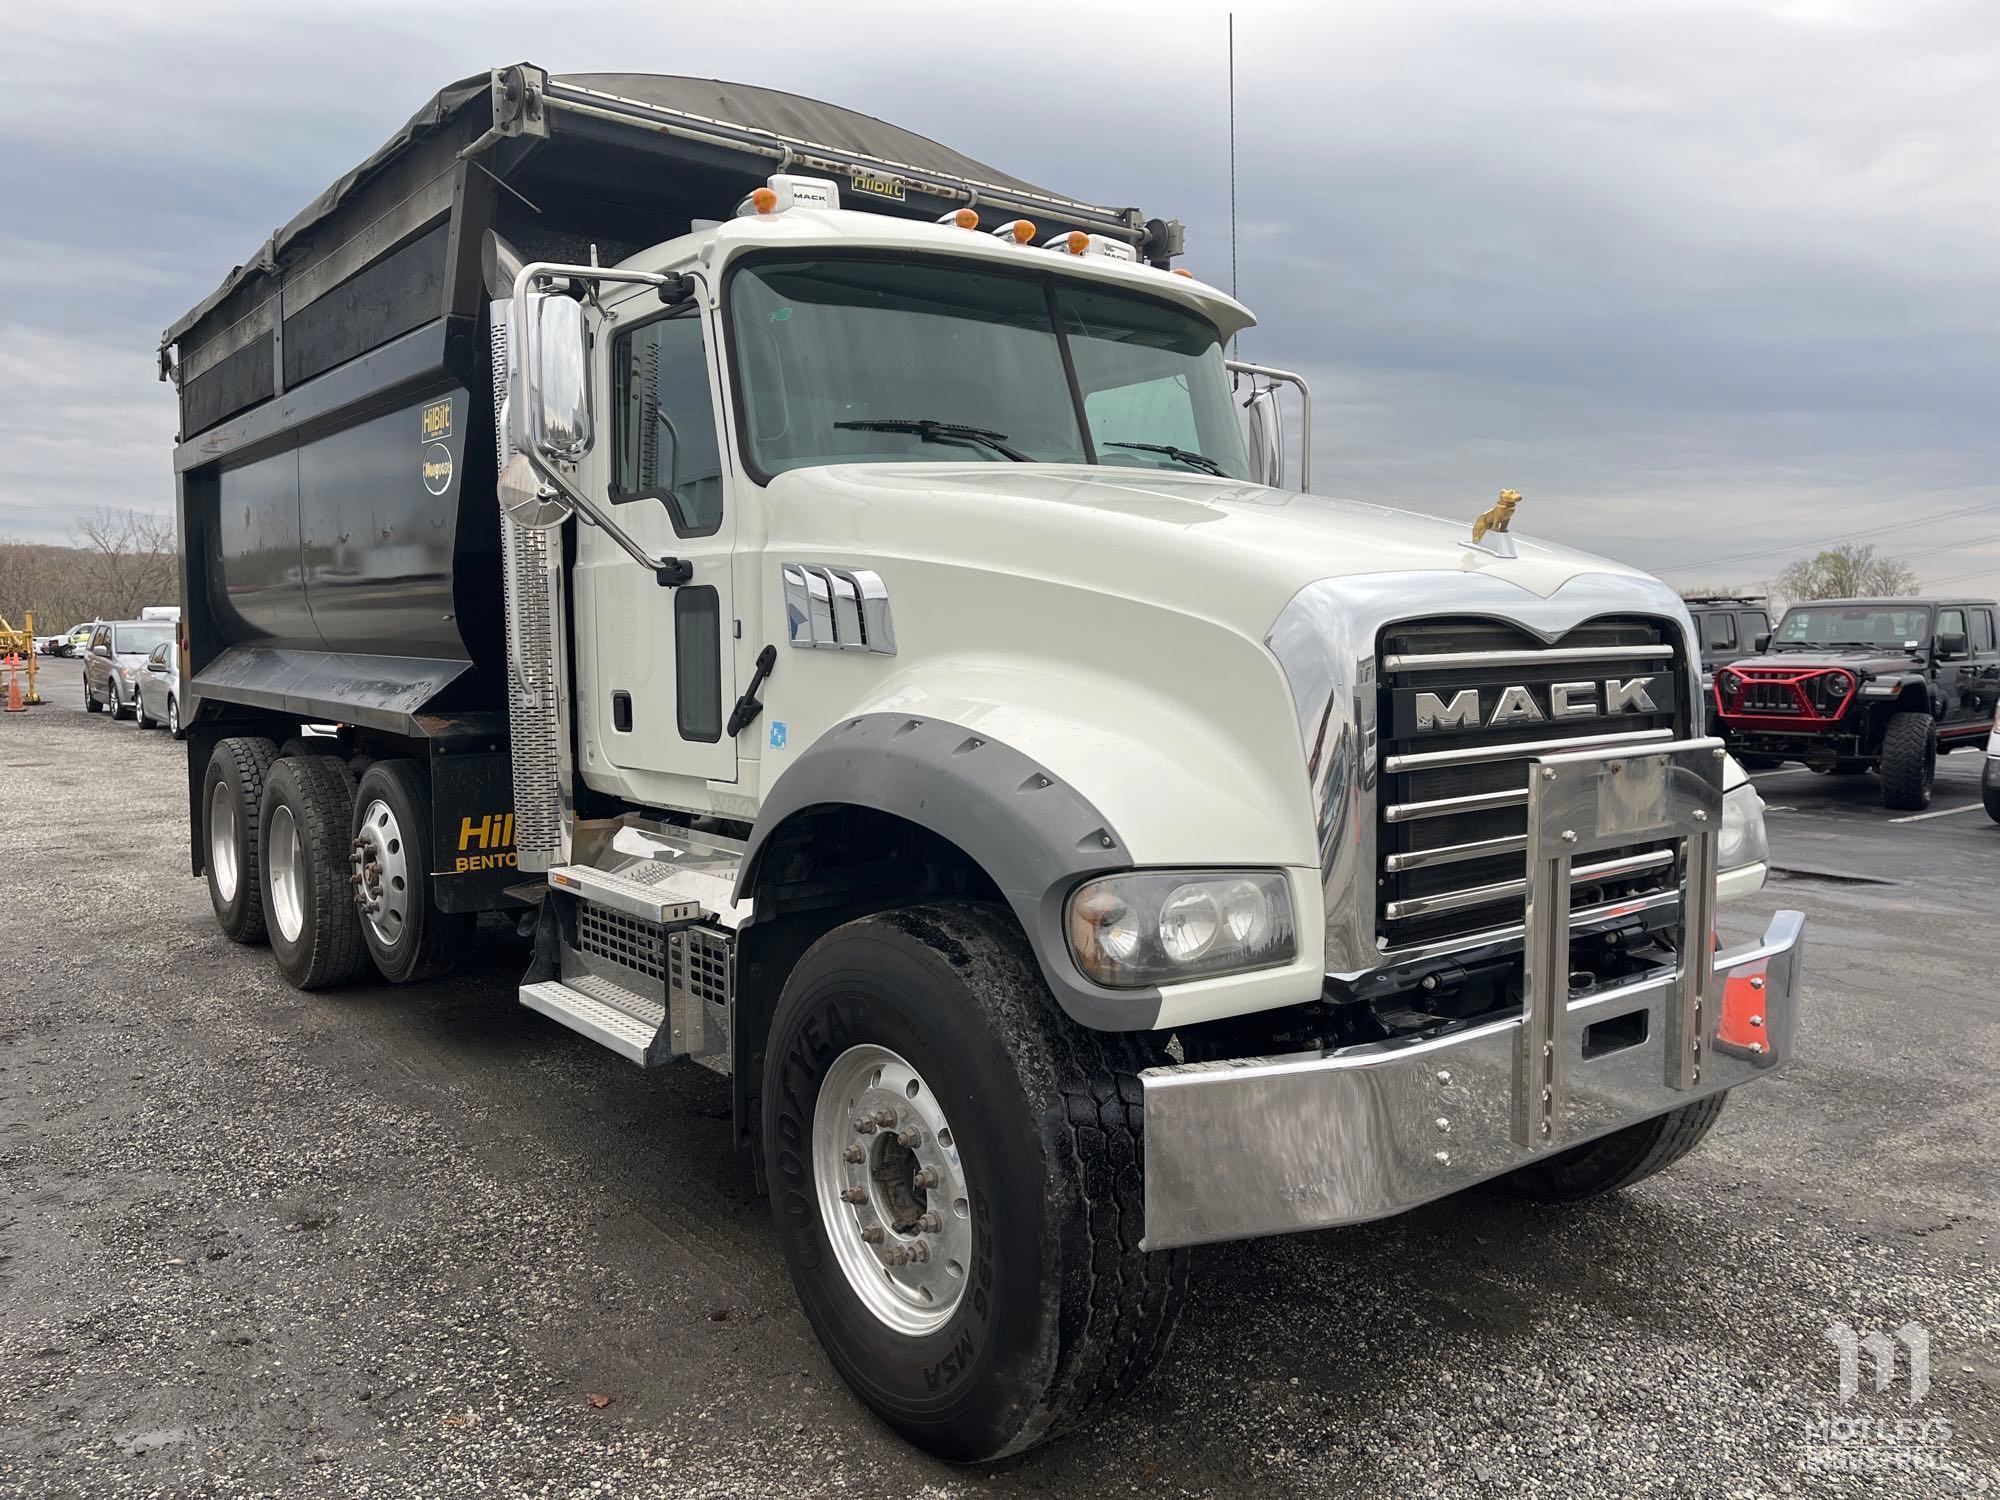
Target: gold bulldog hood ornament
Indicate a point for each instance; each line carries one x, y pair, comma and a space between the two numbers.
1489, 529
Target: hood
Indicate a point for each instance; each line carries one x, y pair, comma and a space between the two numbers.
1217, 546
1860, 660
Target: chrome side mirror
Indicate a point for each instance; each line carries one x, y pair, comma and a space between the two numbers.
555, 378
1265, 437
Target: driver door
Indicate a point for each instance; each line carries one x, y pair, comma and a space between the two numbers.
661, 681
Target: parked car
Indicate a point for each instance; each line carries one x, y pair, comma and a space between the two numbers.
160, 690
1731, 626
115, 660
1853, 685
77, 641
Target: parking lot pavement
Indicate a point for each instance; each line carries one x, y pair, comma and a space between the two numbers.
398, 1242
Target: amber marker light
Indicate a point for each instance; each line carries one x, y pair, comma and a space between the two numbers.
764, 200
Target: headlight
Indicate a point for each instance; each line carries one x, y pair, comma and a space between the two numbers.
1742, 840
1126, 931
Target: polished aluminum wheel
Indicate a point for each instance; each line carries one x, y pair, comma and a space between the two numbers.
381, 874
285, 858
892, 1190
222, 860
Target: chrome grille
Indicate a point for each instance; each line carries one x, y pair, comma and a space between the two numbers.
1452, 816
531, 658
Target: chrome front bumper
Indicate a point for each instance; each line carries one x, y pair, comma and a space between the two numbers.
1267, 1145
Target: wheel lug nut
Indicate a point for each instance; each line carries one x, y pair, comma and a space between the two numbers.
896, 1255
854, 1154
919, 1251
884, 1117
925, 1177
854, 1195
909, 1139
872, 1235
929, 1223
864, 1127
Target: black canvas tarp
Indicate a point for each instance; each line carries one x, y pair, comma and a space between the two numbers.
809, 125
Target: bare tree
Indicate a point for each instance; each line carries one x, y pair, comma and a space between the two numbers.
1854, 571
128, 560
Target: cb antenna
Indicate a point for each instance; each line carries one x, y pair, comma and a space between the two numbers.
1236, 341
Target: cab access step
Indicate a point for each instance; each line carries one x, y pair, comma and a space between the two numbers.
637, 942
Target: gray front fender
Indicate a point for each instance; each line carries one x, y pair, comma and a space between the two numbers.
1032, 833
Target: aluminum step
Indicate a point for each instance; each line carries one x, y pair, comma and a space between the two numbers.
658, 872
607, 1013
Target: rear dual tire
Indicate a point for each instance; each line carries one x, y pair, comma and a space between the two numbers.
309, 908
389, 854
1054, 1311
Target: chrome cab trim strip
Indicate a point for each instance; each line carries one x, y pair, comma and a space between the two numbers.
837, 609
1445, 661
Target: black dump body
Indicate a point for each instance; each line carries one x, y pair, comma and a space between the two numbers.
337, 454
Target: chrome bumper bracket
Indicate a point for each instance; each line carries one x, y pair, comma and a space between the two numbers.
1584, 804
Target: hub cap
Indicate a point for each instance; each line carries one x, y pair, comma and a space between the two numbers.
222, 847
380, 868
286, 860
891, 1189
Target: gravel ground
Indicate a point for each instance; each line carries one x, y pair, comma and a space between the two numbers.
383, 1243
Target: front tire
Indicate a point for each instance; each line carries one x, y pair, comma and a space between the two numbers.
90, 703
308, 904
1909, 761
1989, 789
1621, 1158
937, 1017
389, 865
146, 720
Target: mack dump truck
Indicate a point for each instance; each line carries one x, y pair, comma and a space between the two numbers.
842, 606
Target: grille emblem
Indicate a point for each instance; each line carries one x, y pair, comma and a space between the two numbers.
1470, 708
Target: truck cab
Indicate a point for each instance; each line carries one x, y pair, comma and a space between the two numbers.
861, 630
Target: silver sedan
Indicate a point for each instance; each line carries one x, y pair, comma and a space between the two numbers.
160, 690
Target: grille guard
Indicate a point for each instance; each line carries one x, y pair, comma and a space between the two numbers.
1267, 1145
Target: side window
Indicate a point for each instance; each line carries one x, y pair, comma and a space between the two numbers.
1951, 622
1719, 631
663, 423
1755, 623
1982, 630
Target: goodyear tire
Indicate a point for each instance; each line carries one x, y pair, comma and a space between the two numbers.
232, 798
894, 1032
308, 904
390, 852
1909, 761
1620, 1159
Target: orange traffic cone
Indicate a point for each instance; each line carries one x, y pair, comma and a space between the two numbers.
14, 703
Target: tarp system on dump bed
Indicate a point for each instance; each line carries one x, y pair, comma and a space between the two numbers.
616, 159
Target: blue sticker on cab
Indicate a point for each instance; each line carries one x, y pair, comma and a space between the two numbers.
777, 734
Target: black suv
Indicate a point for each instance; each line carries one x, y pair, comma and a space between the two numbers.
1730, 626
1852, 685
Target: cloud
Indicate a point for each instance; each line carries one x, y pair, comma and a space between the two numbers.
1701, 277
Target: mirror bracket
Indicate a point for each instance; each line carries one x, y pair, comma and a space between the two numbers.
1286, 377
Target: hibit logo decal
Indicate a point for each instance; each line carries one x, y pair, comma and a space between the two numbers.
493, 837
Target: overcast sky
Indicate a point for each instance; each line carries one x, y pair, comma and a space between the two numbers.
1704, 279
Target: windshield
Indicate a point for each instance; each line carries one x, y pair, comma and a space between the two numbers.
137, 640
1890, 627
868, 360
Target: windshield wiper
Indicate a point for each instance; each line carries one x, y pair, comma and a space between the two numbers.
926, 430
1186, 456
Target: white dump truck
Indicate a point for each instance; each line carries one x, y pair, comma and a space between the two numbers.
843, 604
